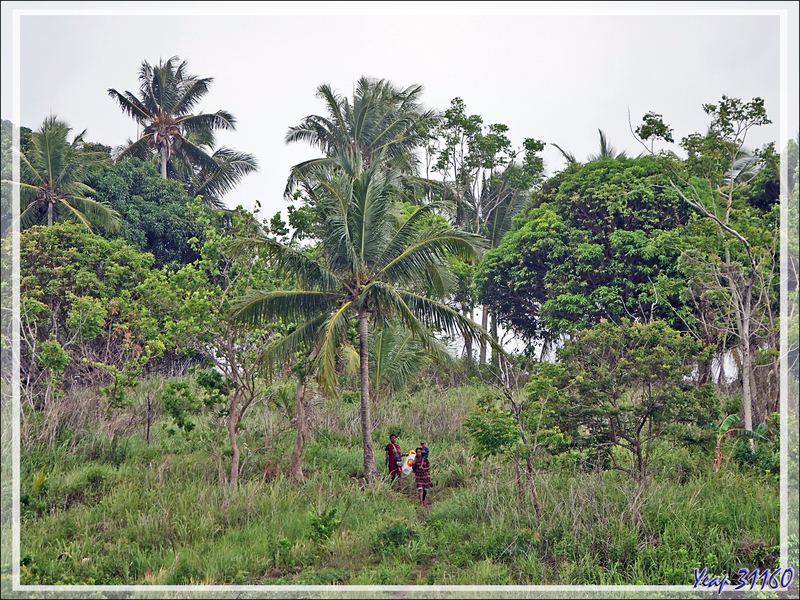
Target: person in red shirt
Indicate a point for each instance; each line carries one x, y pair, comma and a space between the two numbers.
394, 460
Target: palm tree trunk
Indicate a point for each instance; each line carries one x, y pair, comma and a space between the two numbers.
164, 160
370, 470
49, 214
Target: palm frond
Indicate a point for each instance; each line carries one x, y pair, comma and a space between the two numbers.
440, 317
330, 337
100, 213
293, 263
31, 215
432, 245
136, 149
286, 305
231, 167
391, 304
396, 356
568, 156
131, 106
191, 93
299, 173
207, 121
195, 153
287, 347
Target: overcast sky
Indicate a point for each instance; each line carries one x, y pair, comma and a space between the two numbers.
549, 70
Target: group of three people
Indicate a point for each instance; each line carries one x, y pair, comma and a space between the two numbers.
421, 466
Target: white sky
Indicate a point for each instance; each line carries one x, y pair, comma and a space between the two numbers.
549, 70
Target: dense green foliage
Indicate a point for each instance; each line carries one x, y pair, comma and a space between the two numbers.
622, 387
154, 212
591, 248
83, 311
190, 377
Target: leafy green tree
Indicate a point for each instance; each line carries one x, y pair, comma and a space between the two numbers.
194, 304
155, 212
517, 427
81, 314
480, 172
182, 141
52, 180
590, 248
369, 266
622, 387
720, 180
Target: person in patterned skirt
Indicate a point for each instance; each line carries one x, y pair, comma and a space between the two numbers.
422, 473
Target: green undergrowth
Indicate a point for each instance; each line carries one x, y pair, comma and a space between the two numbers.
99, 510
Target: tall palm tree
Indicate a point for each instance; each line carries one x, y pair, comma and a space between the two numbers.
167, 96
52, 176
382, 119
371, 267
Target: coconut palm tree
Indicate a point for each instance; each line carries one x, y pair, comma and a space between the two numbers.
52, 176
370, 267
382, 119
167, 96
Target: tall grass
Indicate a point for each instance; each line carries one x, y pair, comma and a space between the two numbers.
117, 510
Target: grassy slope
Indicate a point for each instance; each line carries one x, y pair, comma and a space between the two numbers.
122, 512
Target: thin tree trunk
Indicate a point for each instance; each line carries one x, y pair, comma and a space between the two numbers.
742, 312
233, 422
484, 323
370, 470
493, 333
467, 340
748, 395
49, 214
301, 424
520, 485
532, 482
149, 417
295, 463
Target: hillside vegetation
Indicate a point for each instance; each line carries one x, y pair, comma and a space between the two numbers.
205, 393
